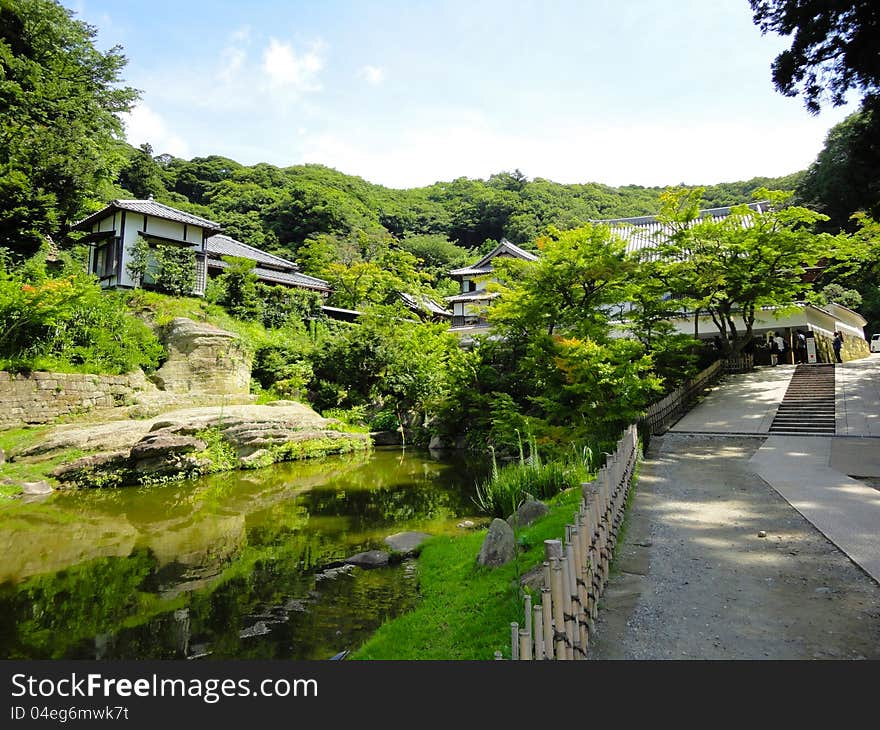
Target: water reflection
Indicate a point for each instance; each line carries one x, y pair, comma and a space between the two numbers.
227, 566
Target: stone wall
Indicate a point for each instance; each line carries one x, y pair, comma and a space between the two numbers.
205, 365
854, 348
42, 397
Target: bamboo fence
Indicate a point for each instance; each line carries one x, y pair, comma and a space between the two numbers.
576, 566
665, 412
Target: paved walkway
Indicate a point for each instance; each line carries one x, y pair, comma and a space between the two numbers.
740, 404
814, 474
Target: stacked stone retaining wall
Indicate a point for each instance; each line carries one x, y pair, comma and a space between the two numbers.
41, 397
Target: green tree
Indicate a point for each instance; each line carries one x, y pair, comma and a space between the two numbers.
59, 101
142, 175
845, 177
732, 267
835, 47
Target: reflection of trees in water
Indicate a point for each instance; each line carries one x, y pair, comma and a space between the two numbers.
217, 557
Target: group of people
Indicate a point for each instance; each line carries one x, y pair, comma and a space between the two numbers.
778, 347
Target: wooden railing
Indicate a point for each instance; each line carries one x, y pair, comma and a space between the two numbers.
576, 566
662, 414
741, 363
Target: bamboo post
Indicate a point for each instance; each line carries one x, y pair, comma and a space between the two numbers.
547, 616
528, 615
525, 646
558, 613
567, 607
514, 640
539, 632
552, 549
546, 570
498, 656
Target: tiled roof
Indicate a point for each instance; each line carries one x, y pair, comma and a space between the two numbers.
148, 207
483, 266
471, 271
293, 278
222, 245
422, 303
643, 231
472, 296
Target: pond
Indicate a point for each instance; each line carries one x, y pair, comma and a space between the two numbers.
229, 566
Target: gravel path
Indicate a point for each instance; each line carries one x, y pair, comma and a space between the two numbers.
693, 579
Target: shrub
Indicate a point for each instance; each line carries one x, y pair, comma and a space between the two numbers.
68, 323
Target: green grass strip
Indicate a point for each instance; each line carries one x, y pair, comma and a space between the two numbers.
466, 610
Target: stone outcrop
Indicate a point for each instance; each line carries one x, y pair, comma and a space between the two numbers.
499, 547
406, 544
205, 365
203, 360
369, 559
527, 513
174, 444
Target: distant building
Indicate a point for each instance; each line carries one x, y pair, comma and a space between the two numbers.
270, 269
114, 229
640, 233
469, 307
425, 307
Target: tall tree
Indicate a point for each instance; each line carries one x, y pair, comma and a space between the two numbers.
732, 267
845, 177
835, 47
59, 100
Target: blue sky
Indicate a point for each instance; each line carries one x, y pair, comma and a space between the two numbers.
406, 93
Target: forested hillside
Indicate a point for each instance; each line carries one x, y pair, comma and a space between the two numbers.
281, 208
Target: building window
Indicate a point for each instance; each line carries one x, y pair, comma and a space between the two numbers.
104, 262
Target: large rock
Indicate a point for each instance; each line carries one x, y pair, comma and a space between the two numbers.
528, 512
406, 543
203, 360
499, 547
164, 443
369, 559
167, 445
387, 438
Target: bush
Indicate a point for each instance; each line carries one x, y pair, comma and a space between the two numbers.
68, 323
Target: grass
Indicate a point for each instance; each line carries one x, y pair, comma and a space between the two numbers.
466, 610
23, 471
508, 486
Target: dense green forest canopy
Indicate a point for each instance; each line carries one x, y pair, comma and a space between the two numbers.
281, 208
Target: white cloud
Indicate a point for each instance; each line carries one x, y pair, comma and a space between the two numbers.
234, 55
372, 74
142, 124
285, 68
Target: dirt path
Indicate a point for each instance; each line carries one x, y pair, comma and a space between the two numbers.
694, 580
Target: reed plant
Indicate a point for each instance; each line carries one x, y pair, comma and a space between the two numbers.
509, 485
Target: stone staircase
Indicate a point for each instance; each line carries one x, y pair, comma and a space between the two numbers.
808, 405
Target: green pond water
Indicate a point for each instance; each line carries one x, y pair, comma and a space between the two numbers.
228, 566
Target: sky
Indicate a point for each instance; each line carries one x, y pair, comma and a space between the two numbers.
406, 93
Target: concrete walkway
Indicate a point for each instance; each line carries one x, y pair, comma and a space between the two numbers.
857, 397
814, 474
740, 404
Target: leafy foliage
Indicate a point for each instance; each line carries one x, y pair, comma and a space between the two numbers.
733, 267
59, 127
68, 323
834, 48
170, 268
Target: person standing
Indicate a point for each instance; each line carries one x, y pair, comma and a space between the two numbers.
837, 344
780, 346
